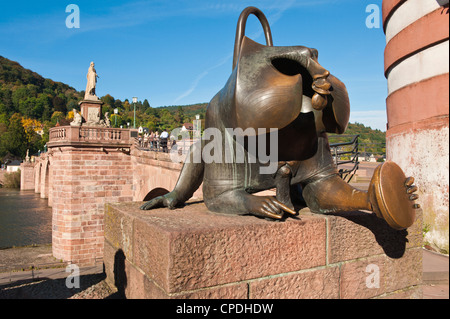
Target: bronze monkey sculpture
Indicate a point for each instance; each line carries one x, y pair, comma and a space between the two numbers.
284, 88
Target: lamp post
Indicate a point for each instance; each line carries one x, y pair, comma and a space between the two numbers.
116, 111
134, 102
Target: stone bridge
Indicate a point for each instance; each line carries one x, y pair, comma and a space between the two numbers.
86, 167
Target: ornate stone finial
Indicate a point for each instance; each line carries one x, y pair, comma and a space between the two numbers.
27, 157
91, 84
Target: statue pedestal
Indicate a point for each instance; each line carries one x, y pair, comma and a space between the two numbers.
91, 111
27, 176
192, 253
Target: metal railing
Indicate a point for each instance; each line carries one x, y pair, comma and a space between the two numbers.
346, 153
159, 146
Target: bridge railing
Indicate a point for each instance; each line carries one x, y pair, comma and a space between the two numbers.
90, 134
156, 145
345, 150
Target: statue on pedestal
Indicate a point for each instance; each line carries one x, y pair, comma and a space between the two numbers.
91, 83
91, 106
287, 91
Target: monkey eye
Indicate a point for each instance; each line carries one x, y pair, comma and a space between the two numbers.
288, 66
292, 67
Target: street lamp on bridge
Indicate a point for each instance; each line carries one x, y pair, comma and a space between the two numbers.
116, 111
134, 102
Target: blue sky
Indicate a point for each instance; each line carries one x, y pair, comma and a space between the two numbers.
180, 52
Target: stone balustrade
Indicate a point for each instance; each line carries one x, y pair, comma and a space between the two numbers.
63, 135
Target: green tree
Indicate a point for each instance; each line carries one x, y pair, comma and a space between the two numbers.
108, 100
3, 109
59, 103
179, 116
116, 120
56, 117
4, 119
14, 141
20, 94
126, 105
118, 104
27, 105
6, 99
167, 120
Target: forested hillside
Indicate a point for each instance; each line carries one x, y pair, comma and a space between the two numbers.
30, 105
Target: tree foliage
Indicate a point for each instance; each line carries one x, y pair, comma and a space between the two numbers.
29, 100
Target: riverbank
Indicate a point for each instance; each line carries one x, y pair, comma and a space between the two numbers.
33, 273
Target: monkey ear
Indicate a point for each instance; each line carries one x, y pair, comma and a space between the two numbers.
240, 30
315, 54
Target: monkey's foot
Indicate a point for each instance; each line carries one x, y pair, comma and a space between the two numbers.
169, 200
392, 196
267, 206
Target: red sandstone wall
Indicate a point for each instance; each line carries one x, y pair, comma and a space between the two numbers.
83, 180
417, 68
27, 176
152, 170
2, 174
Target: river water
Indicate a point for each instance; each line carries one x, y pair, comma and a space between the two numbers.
25, 218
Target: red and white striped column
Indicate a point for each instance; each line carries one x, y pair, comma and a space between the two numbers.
417, 71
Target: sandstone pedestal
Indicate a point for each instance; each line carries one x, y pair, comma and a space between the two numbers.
91, 111
27, 176
193, 253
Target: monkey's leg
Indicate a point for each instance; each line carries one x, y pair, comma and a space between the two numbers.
390, 195
332, 194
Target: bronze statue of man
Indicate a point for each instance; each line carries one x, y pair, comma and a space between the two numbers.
286, 90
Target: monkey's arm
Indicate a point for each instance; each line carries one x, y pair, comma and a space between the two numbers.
337, 112
189, 181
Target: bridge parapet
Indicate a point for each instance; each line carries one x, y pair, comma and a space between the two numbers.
63, 135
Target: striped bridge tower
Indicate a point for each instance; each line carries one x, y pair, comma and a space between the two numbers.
417, 138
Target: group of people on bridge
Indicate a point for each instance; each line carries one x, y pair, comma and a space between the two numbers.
155, 141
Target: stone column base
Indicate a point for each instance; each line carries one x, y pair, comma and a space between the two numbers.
193, 253
26, 176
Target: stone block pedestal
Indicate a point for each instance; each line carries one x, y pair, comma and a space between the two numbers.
27, 176
193, 253
91, 111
